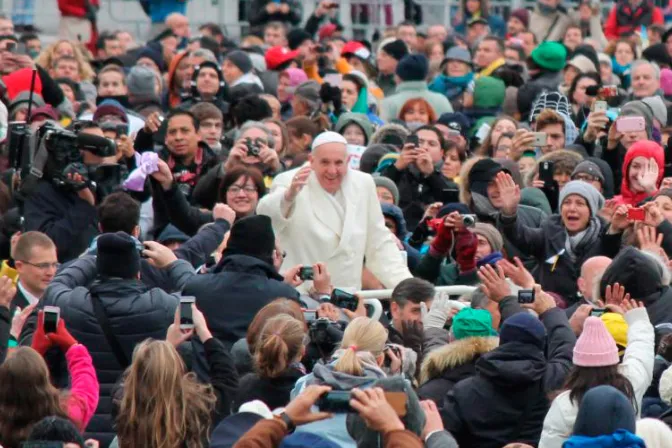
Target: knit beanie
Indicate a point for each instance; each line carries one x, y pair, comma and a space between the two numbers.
582, 64
118, 255
551, 56
490, 233
666, 81
603, 411
489, 92
153, 52
413, 67
240, 59
618, 329
658, 107
472, 323
388, 184
296, 37
481, 174
657, 53
595, 347
590, 168
593, 197
521, 14
456, 121
252, 236
523, 328
447, 209
141, 82
396, 49
665, 386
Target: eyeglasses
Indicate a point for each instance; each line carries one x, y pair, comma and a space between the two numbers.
42, 266
235, 189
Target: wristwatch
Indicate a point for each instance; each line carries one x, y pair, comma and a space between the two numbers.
288, 422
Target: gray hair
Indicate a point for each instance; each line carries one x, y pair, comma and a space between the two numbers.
639, 62
256, 125
205, 54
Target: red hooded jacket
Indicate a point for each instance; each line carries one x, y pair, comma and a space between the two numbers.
649, 150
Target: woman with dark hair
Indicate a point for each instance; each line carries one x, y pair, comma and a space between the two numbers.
240, 189
474, 9
596, 363
356, 98
581, 103
502, 124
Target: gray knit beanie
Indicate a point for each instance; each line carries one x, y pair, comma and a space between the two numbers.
490, 233
585, 190
141, 82
240, 59
388, 184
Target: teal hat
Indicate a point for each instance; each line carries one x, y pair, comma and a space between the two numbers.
472, 323
489, 92
550, 55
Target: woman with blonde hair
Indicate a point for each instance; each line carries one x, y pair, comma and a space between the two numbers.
357, 364
277, 363
62, 48
163, 406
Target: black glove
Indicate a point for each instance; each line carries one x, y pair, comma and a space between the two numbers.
413, 333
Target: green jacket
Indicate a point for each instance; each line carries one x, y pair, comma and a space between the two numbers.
407, 90
435, 270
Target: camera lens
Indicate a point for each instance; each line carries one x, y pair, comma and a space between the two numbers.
468, 221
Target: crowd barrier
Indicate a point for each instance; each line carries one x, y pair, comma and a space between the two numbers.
372, 298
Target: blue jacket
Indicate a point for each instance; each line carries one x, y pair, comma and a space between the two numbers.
619, 439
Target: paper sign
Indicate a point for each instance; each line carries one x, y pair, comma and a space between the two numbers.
355, 152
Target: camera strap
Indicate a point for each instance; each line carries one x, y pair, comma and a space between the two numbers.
107, 330
36, 170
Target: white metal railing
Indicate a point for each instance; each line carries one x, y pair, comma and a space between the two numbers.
385, 294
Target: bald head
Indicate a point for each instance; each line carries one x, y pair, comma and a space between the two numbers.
437, 33
179, 24
591, 273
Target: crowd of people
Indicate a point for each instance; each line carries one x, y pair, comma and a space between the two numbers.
188, 223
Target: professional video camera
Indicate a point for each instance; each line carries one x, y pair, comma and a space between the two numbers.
54, 153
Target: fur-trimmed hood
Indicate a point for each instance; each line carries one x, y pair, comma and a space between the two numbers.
465, 192
564, 157
388, 129
454, 355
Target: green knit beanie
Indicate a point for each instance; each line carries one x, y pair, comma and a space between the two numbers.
472, 323
550, 55
489, 92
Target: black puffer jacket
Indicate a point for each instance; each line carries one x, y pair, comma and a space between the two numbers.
450, 364
135, 313
506, 401
642, 278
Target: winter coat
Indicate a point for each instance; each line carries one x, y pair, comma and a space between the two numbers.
450, 364
334, 428
637, 367
259, 16
647, 149
506, 400
268, 433
641, 277
541, 82
232, 294
591, 29
83, 398
557, 272
622, 19
412, 254
549, 27
391, 106
76, 8
135, 312
417, 191
68, 220
274, 392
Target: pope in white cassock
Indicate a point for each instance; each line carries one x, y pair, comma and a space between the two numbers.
326, 212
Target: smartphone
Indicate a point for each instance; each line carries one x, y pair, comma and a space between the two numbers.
388, 361
636, 214
413, 140
526, 296
540, 139
630, 124
598, 312
186, 315
161, 118
309, 315
335, 401
11, 47
122, 129
546, 172
600, 106
450, 195
51, 316
306, 273
344, 300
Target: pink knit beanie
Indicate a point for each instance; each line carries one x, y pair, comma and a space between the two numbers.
666, 81
595, 347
